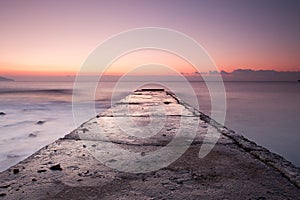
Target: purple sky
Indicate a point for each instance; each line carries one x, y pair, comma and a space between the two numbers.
57, 36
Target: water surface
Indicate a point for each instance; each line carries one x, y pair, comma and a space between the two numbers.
38, 113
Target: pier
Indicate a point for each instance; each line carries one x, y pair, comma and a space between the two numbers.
87, 165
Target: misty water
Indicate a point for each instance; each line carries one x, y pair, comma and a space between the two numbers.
38, 113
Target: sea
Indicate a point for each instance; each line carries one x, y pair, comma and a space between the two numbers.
37, 113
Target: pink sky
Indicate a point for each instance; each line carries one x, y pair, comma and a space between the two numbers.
55, 37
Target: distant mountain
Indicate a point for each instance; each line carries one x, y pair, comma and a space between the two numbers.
246, 75
5, 79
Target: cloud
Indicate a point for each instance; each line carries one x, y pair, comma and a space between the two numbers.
260, 75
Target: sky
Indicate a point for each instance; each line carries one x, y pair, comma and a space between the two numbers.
55, 37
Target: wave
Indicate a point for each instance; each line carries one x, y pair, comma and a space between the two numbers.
19, 123
44, 91
14, 156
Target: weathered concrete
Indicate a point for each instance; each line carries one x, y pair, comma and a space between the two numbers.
235, 169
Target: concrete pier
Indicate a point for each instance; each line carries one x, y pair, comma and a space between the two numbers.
236, 168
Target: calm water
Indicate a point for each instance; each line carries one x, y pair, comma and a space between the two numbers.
265, 112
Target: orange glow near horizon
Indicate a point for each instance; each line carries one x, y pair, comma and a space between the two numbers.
124, 64
138, 59
35, 72
118, 68
132, 60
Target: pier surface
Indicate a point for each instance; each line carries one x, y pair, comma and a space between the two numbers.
236, 168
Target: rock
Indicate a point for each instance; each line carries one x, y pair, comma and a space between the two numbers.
12, 156
56, 167
2, 113
7, 184
85, 130
16, 170
41, 122
2, 194
32, 135
41, 171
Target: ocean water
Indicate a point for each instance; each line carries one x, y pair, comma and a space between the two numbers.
38, 113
